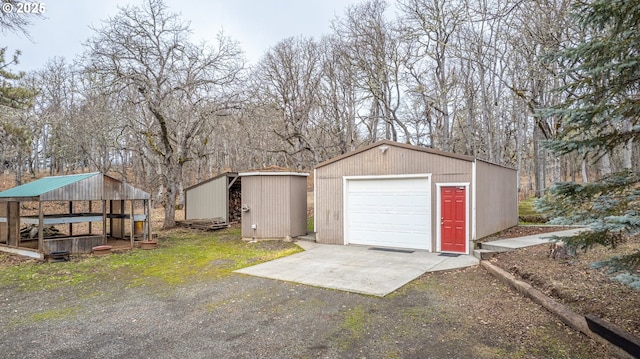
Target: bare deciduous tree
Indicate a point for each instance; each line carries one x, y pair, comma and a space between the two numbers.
289, 76
373, 49
178, 85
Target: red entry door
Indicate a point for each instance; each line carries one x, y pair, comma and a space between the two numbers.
453, 221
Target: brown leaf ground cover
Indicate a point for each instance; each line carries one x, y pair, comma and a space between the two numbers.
574, 281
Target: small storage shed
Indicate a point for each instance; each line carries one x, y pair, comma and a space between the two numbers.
390, 194
274, 204
78, 195
218, 197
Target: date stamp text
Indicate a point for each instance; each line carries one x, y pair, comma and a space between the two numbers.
15, 7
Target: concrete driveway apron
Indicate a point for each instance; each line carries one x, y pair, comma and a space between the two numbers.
359, 269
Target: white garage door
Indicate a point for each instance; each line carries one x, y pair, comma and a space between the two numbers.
388, 212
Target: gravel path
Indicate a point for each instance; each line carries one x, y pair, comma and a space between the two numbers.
460, 314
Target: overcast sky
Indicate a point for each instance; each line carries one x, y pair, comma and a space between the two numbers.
256, 24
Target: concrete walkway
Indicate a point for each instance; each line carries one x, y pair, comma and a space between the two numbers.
504, 245
359, 269
374, 271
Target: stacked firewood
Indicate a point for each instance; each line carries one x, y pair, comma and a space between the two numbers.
235, 205
31, 231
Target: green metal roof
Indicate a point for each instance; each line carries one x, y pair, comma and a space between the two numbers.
44, 185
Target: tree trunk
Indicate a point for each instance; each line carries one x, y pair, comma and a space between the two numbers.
539, 162
605, 165
171, 189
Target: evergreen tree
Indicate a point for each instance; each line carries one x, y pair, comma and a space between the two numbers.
11, 96
14, 138
600, 117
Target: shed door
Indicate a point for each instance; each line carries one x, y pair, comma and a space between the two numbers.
388, 212
453, 222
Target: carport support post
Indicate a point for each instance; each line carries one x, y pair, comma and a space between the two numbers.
132, 220
148, 218
104, 220
70, 212
40, 227
90, 211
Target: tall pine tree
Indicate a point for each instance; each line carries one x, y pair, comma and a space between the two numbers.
12, 96
600, 118
14, 136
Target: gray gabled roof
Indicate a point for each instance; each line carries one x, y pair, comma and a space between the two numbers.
400, 145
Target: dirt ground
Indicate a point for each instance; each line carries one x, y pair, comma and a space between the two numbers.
574, 282
243, 316
454, 314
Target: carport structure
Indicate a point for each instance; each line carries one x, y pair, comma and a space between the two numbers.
390, 194
78, 191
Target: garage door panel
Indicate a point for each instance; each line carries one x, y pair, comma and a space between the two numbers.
392, 185
390, 212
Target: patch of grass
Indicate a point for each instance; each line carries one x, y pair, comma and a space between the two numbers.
183, 256
352, 327
549, 343
310, 222
47, 315
354, 322
37, 276
526, 207
528, 214
392, 355
63, 313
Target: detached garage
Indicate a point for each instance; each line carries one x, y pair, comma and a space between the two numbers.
390, 194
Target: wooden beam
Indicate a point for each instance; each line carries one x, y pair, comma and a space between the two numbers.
233, 181
132, 221
40, 227
104, 218
70, 212
19, 199
22, 252
148, 235
615, 335
13, 224
90, 222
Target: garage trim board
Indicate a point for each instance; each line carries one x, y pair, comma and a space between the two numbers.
388, 210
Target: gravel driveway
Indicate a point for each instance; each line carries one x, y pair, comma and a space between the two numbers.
457, 314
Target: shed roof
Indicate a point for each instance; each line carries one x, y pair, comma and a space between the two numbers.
94, 186
396, 144
271, 173
224, 174
44, 185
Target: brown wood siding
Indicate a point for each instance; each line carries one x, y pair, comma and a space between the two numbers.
272, 201
13, 224
397, 160
497, 198
10, 230
117, 225
73, 245
94, 188
4, 230
208, 200
114, 190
